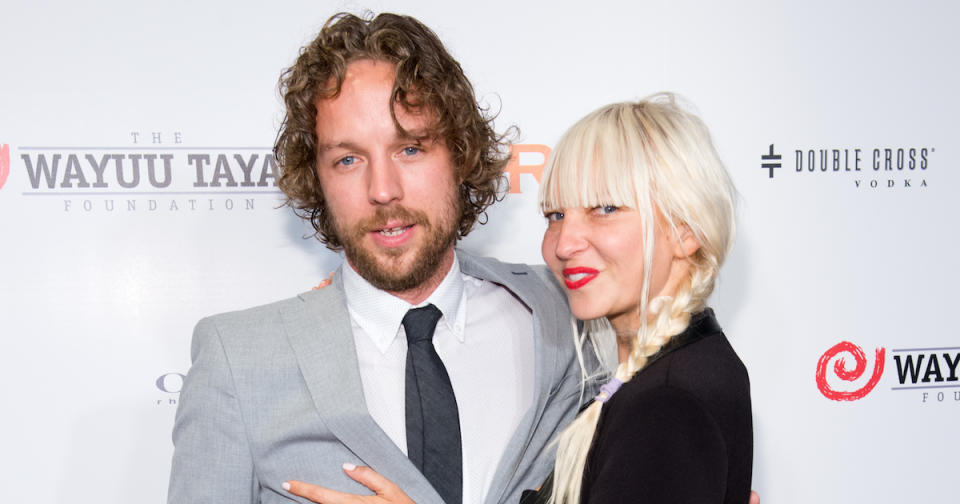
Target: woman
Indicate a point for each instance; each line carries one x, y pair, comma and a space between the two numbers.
640, 218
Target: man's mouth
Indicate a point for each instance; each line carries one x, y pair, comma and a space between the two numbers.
393, 234
394, 231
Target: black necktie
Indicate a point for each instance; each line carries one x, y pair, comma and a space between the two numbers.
433, 424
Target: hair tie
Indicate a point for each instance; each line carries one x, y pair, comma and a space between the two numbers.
608, 389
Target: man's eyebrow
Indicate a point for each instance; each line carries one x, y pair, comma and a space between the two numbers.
420, 134
339, 145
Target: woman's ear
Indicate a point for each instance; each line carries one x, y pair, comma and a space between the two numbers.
685, 243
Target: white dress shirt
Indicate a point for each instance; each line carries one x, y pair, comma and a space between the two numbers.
485, 340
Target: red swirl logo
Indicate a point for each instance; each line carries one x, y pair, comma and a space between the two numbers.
4, 164
841, 371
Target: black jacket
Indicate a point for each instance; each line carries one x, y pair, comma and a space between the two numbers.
679, 431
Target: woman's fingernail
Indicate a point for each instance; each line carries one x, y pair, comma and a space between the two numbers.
286, 486
349, 467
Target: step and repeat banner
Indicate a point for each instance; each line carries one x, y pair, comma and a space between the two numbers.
138, 194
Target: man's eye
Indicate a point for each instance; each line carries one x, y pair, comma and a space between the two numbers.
412, 151
347, 161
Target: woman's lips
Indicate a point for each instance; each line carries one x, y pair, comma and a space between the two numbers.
578, 277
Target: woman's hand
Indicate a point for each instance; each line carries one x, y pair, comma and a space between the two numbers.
323, 283
386, 492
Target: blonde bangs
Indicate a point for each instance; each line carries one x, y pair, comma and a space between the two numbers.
595, 164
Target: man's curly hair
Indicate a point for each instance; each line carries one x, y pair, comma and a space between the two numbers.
427, 78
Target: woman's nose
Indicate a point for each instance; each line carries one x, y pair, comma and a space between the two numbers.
572, 237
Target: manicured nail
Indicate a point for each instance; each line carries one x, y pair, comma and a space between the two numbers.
286, 486
349, 467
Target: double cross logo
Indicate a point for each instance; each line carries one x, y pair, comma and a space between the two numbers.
770, 161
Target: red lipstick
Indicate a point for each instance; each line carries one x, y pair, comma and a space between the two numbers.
583, 276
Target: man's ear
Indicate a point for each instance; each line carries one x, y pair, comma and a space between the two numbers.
685, 243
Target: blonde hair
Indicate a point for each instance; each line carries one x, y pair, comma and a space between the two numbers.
657, 158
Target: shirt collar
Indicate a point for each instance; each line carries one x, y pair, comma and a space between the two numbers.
380, 314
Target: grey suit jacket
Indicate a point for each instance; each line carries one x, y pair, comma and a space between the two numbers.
274, 393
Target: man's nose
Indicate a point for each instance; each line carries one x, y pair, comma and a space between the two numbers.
384, 182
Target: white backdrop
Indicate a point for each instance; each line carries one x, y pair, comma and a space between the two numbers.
102, 283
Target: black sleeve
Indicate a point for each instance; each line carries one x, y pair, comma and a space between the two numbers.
661, 446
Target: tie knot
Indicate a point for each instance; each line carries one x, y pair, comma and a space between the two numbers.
419, 323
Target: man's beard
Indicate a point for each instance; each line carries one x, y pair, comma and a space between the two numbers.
381, 267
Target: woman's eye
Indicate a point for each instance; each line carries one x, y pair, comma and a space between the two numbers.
607, 209
554, 216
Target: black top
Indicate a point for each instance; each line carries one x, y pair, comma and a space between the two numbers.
680, 430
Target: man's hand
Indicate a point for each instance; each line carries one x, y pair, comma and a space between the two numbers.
754, 497
386, 492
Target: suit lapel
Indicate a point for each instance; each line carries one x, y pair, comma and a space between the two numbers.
320, 333
517, 278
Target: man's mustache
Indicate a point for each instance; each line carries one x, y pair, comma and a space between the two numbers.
384, 215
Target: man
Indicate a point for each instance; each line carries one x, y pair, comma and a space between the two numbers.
385, 151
